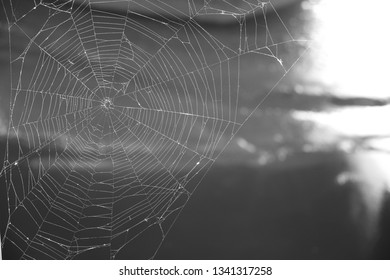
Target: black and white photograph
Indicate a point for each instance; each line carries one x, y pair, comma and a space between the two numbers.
194, 130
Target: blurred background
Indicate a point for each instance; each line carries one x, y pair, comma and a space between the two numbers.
307, 174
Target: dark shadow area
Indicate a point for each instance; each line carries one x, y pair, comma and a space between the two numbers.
382, 248
291, 210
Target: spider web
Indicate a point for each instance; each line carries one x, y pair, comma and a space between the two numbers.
115, 117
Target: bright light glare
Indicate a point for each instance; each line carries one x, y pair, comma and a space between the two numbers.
368, 123
354, 46
352, 122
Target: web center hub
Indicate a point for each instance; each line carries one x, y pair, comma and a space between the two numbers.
107, 103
